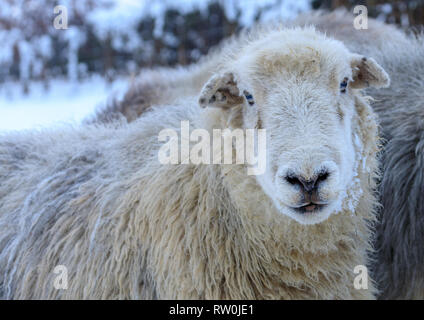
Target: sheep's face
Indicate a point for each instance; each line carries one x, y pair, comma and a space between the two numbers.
304, 97
310, 148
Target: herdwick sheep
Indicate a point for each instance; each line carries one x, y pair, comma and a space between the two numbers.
96, 200
398, 266
158, 86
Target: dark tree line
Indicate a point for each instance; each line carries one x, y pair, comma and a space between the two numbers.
35, 50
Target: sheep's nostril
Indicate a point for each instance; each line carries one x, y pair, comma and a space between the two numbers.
293, 180
322, 176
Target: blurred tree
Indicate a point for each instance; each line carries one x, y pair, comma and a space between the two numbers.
405, 13
104, 39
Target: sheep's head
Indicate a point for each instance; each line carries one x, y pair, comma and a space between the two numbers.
301, 88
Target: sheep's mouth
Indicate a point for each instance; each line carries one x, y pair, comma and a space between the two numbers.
309, 208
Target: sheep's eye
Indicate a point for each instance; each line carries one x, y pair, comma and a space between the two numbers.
249, 97
343, 85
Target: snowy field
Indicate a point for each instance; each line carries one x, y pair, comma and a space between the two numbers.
64, 101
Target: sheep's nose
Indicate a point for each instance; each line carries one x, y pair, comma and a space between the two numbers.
307, 185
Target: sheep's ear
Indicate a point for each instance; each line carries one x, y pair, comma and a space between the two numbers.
223, 91
366, 72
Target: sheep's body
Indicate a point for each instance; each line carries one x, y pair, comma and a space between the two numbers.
398, 266
127, 227
97, 201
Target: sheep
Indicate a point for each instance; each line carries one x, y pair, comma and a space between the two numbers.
159, 86
96, 201
397, 265
398, 268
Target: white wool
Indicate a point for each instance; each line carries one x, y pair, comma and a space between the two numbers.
128, 227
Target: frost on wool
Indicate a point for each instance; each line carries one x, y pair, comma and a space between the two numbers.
96, 199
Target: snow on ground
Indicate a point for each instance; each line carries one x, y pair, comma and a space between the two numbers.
63, 102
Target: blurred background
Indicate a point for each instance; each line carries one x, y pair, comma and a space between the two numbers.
50, 75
